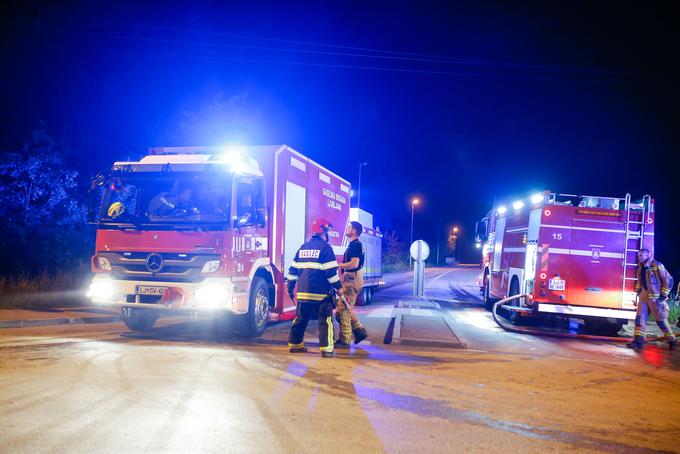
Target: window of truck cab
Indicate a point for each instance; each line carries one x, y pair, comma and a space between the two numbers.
143, 198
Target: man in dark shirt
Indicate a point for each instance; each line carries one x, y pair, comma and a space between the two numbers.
352, 283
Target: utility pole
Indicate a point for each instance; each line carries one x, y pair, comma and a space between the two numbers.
438, 233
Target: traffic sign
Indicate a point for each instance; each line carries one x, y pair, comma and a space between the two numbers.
420, 250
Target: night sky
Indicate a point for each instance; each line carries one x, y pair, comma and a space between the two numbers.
459, 105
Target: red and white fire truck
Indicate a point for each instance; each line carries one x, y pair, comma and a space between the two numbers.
212, 230
574, 255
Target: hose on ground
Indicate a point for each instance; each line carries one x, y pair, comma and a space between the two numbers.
538, 332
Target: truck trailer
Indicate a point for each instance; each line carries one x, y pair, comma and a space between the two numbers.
210, 230
575, 256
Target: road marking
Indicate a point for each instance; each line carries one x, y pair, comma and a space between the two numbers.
437, 278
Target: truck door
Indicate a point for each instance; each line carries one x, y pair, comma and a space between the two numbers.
295, 221
249, 223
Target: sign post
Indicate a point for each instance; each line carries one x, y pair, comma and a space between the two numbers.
420, 251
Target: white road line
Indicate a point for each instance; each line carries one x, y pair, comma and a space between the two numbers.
436, 278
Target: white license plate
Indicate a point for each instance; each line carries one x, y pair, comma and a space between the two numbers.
147, 290
556, 284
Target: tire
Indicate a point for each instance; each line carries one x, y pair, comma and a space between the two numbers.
513, 316
254, 322
139, 319
368, 295
488, 301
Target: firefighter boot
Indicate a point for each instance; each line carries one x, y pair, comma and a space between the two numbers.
341, 344
672, 342
297, 350
638, 343
359, 334
325, 354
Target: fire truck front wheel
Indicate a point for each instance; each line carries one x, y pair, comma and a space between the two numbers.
254, 322
488, 301
139, 319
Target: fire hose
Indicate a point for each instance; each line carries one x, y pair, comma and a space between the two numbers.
538, 332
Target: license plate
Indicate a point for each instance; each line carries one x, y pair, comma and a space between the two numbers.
556, 284
147, 290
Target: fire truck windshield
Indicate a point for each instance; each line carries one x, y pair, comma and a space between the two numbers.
162, 198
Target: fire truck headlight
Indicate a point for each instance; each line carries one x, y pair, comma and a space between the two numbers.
210, 267
213, 293
478, 245
518, 205
536, 198
102, 263
501, 210
101, 289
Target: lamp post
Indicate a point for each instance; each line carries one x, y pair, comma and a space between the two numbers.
455, 244
414, 202
359, 188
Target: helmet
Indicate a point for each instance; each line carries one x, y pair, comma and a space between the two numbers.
116, 209
321, 226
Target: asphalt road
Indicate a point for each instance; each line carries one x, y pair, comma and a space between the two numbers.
186, 387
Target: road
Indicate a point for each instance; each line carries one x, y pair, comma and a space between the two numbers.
186, 387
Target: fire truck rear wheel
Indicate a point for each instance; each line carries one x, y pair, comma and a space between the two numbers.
254, 322
514, 316
139, 319
488, 301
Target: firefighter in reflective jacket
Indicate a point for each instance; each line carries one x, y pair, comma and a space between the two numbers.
315, 272
653, 288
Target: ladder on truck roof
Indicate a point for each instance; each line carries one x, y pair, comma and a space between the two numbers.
635, 232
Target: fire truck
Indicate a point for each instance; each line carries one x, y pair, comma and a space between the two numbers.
212, 230
575, 256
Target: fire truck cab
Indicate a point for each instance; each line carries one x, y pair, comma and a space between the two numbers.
573, 255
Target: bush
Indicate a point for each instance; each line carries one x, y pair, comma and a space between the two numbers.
65, 288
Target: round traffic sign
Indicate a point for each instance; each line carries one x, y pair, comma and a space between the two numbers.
420, 250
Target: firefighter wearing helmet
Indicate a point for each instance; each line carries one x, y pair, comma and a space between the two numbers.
315, 273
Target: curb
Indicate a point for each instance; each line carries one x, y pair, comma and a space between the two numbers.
57, 321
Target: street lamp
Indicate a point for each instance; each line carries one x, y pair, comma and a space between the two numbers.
414, 202
455, 250
359, 188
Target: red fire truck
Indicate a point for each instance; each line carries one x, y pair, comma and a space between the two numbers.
210, 230
574, 255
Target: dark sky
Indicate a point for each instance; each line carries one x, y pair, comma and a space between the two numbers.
458, 104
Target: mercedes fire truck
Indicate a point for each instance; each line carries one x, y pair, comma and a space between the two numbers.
212, 230
573, 255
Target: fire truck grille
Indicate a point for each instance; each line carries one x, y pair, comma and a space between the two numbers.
174, 267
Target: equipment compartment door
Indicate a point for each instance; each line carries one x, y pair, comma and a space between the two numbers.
296, 215
596, 262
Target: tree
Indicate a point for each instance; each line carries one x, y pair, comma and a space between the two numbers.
451, 242
394, 252
43, 216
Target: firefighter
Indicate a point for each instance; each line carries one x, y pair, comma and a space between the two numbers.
315, 272
652, 288
352, 283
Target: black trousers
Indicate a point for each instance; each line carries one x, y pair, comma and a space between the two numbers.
307, 311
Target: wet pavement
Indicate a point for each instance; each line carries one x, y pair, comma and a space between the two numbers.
187, 387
